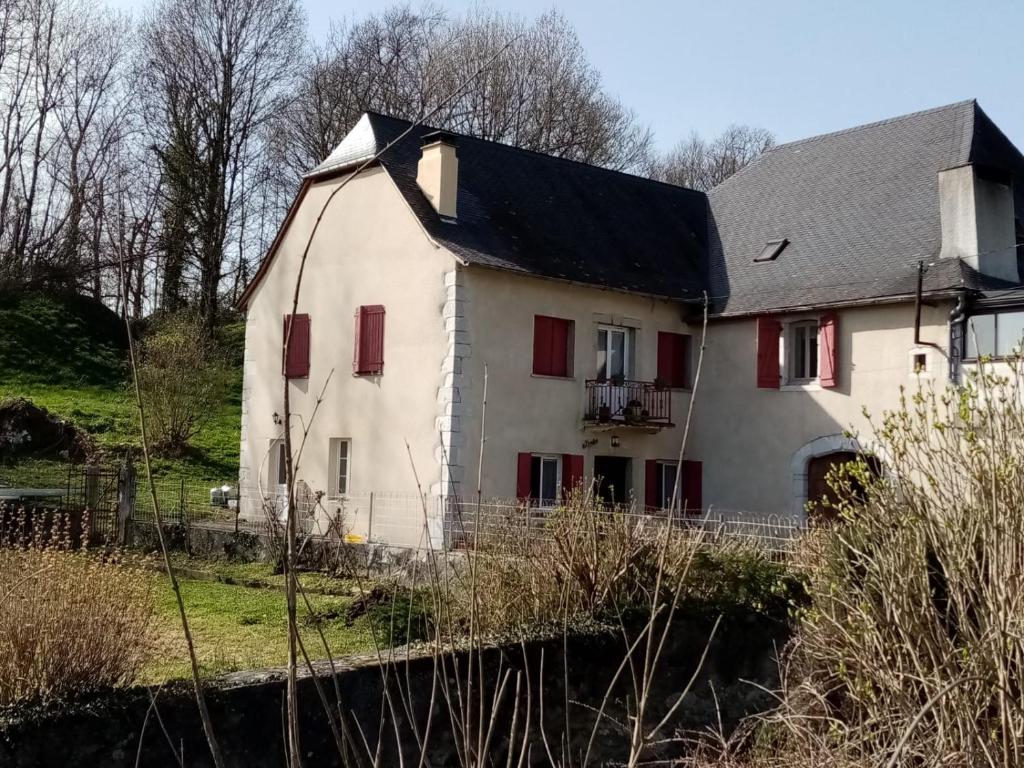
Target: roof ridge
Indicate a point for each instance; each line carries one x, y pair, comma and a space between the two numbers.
875, 124
512, 148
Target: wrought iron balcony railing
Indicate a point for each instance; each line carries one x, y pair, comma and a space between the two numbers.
627, 402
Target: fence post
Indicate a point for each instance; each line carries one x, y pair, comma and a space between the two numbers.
125, 500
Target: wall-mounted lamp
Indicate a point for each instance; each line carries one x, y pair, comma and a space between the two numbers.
615, 441
277, 419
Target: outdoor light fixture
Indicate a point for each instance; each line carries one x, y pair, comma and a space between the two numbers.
277, 419
615, 441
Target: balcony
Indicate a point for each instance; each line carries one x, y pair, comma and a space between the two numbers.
626, 403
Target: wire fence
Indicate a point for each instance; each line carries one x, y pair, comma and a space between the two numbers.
396, 520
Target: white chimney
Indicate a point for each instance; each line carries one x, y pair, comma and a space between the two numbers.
438, 173
977, 215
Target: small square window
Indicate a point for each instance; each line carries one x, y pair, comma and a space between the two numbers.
920, 362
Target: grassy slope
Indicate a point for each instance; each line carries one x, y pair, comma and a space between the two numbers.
69, 354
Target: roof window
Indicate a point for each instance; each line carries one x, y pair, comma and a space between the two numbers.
771, 250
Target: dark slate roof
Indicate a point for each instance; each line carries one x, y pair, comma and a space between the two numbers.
535, 214
860, 208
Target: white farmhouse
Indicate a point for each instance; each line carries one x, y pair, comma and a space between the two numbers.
837, 268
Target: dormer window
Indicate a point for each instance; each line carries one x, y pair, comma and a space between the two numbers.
771, 250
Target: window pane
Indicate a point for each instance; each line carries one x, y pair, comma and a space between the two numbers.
282, 476
668, 484
617, 354
981, 335
812, 351
800, 353
549, 481
535, 477
1009, 331
602, 354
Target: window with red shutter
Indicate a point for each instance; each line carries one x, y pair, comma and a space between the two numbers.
572, 473
368, 355
295, 347
692, 490
552, 346
673, 360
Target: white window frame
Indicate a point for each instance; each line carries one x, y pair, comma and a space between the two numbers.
627, 347
789, 355
334, 455
996, 340
557, 458
275, 468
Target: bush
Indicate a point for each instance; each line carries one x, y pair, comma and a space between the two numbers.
70, 621
916, 617
182, 380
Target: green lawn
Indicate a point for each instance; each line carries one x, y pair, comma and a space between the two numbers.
237, 627
69, 355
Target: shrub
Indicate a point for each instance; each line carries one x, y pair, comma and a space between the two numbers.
916, 616
182, 381
70, 621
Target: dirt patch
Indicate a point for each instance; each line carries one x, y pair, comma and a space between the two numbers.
30, 431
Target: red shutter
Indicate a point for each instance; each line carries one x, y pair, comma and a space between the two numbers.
828, 325
651, 484
559, 347
572, 473
296, 357
673, 359
692, 477
768, 329
523, 476
550, 346
368, 355
542, 345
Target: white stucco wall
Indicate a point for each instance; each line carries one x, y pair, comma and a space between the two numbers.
535, 414
370, 249
755, 442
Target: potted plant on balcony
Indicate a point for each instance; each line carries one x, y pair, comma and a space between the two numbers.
633, 412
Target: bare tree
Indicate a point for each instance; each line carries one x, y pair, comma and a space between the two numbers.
701, 164
213, 73
63, 107
543, 95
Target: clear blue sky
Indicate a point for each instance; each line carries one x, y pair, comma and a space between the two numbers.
796, 68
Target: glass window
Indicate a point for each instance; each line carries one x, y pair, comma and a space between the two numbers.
545, 479
1009, 332
341, 461
667, 483
981, 335
804, 350
282, 467
613, 352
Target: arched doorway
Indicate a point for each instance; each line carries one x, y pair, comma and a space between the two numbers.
819, 494
811, 463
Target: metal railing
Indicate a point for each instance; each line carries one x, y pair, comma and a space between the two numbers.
628, 402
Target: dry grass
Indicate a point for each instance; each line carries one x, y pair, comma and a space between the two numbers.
71, 621
912, 652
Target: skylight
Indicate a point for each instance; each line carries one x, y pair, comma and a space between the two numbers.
771, 250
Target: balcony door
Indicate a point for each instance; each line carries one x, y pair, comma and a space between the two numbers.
614, 352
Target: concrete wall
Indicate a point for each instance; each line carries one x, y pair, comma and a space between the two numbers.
537, 414
114, 730
370, 249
